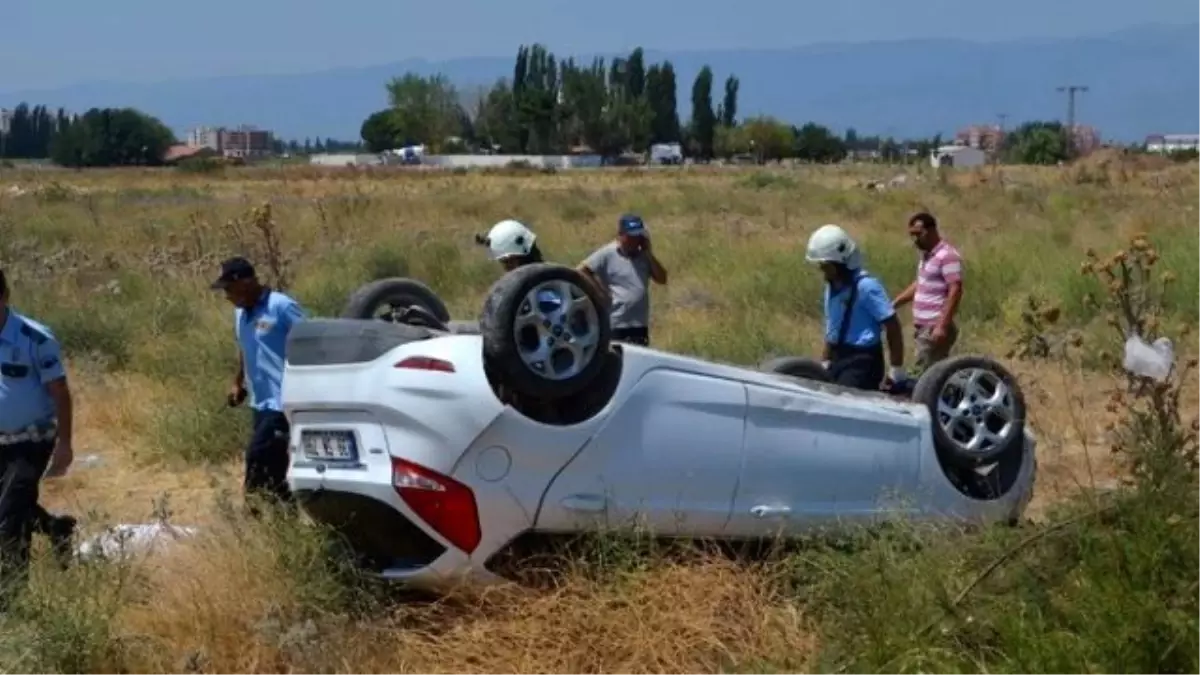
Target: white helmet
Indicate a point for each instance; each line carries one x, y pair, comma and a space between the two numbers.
830, 243
509, 238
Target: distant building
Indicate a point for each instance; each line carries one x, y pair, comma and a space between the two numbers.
1085, 138
244, 141
990, 138
986, 137
1167, 143
6, 116
957, 156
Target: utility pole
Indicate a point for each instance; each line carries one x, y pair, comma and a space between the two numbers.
1071, 90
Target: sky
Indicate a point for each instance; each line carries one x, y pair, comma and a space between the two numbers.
55, 43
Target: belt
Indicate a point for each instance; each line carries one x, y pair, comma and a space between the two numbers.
34, 433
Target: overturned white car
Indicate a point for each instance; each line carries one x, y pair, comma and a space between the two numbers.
433, 446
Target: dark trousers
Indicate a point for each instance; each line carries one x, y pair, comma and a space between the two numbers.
267, 457
21, 469
857, 367
638, 335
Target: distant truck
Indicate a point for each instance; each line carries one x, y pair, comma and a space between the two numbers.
666, 153
410, 154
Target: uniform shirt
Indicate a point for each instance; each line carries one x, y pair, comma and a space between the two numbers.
936, 270
30, 358
872, 307
261, 333
628, 278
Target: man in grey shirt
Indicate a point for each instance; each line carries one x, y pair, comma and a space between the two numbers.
621, 269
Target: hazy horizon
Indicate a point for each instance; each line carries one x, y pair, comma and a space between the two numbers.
136, 41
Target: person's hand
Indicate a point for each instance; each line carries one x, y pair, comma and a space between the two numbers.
938, 334
896, 377
60, 459
237, 394
646, 243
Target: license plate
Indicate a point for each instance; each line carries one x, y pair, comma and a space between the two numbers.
338, 446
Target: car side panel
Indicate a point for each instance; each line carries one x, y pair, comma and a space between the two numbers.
508, 468
666, 459
812, 460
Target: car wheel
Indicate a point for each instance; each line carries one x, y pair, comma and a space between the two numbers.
977, 408
545, 330
387, 299
797, 366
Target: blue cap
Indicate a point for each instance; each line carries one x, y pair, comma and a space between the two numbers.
632, 224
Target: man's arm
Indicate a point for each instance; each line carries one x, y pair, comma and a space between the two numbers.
895, 341
876, 301
657, 272
291, 314
952, 272
906, 296
60, 393
239, 378
590, 268
53, 377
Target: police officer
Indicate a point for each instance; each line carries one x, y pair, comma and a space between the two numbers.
262, 319
35, 437
858, 315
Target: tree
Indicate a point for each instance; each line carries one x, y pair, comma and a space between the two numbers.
703, 123
424, 109
379, 131
635, 75
32, 131
729, 103
496, 118
586, 106
112, 137
1037, 143
816, 143
553, 105
769, 139
730, 141
661, 97
535, 95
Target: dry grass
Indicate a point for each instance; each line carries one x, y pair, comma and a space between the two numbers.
117, 262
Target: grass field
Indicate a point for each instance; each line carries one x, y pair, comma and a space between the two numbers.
118, 264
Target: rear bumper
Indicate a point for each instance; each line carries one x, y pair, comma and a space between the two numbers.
387, 540
356, 499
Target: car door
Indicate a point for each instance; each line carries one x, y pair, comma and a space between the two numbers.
667, 460
812, 459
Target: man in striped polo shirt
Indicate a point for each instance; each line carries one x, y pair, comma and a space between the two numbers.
936, 292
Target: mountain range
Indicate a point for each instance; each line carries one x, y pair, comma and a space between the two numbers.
1140, 81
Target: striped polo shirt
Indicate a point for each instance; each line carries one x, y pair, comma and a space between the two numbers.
936, 270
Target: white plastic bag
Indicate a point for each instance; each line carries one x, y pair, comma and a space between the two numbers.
1154, 361
123, 540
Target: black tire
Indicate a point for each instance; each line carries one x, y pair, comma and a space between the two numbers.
797, 366
929, 389
398, 292
503, 348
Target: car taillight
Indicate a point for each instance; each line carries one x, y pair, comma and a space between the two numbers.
445, 504
426, 363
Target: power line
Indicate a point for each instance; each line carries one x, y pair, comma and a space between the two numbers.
1071, 90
